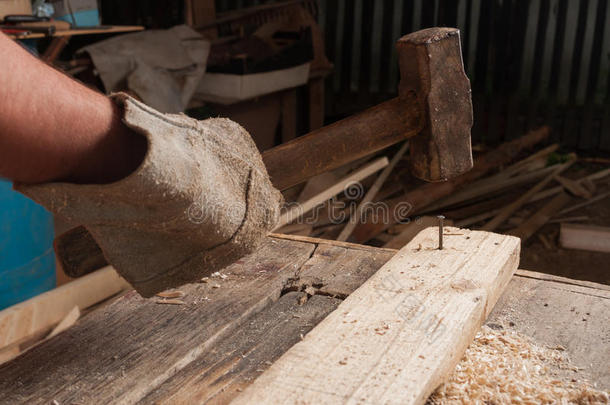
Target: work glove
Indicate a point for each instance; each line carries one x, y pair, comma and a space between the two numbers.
200, 200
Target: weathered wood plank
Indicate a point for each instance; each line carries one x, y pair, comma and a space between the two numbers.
222, 373
396, 337
556, 311
332, 271
121, 352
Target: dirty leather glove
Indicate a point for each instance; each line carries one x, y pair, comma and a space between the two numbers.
200, 200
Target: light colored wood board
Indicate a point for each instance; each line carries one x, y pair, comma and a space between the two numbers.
574, 186
507, 211
372, 193
396, 337
69, 320
122, 352
294, 213
412, 229
585, 237
529, 227
42, 312
542, 154
555, 311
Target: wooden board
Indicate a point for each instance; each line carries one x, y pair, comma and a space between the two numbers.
397, 336
39, 314
243, 350
87, 31
123, 352
561, 312
585, 237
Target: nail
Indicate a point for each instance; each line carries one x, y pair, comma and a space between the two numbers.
440, 231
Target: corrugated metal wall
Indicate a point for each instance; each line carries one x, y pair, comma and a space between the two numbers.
530, 62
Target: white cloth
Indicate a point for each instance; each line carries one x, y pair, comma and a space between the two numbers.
163, 67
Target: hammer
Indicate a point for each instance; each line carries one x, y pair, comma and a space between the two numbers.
433, 107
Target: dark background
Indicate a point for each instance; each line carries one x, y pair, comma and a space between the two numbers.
530, 62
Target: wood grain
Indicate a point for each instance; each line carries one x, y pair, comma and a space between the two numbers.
41, 313
397, 337
560, 312
123, 351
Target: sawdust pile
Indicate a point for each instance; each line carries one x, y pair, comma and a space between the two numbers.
502, 367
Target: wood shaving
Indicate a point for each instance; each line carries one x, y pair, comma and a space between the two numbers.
171, 294
171, 301
502, 367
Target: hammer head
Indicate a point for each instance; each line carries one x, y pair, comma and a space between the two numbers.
431, 69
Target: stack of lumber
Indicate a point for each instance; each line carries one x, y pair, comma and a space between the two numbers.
516, 188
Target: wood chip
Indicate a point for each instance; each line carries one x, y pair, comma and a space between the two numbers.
171, 301
171, 294
500, 366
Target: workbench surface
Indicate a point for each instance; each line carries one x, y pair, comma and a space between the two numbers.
235, 325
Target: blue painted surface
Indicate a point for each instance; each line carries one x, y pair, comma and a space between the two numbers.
27, 262
84, 18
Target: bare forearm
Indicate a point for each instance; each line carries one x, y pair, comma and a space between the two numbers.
53, 128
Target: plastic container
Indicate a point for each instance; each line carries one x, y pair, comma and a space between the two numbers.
27, 261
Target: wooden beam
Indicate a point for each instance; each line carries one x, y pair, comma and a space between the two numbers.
300, 209
515, 205
42, 312
528, 227
371, 193
396, 338
417, 200
585, 237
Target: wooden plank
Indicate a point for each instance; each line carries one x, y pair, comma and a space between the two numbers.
564, 280
397, 336
560, 312
507, 211
297, 211
489, 186
528, 227
220, 374
371, 193
585, 237
415, 201
68, 33
595, 199
121, 353
41, 313
541, 196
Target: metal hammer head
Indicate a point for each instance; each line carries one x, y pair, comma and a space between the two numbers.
431, 69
